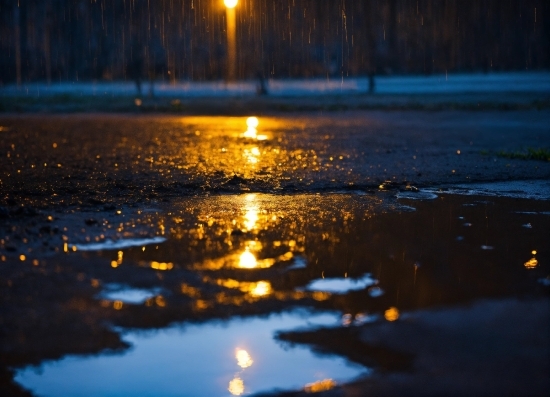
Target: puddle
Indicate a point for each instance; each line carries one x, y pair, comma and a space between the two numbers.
227, 263
420, 195
536, 190
124, 294
298, 263
213, 359
341, 285
119, 244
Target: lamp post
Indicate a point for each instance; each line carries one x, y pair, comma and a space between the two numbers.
231, 38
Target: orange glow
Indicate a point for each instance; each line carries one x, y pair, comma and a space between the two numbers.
118, 305
261, 288
321, 385
251, 212
22, 257
391, 314
247, 260
256, 289
114, 264
251, 132
320, 296
159, 300
252, 122
230, 3
236, 387
531, 263
201, 305
190, 291
162, 265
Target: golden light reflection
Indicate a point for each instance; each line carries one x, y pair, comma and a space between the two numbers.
391, 314
262, 288
160, 301
252, 132
162, 265
247, 260
201, 305
243, 358
236, 386
190, 291
250, 217
256, 289
531, 263
321, 385
320, 296
252, 122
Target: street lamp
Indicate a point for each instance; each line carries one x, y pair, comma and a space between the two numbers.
231, 38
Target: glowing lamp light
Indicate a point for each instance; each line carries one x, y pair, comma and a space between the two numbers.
230, 3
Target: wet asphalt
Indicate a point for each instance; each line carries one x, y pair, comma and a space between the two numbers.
94, 160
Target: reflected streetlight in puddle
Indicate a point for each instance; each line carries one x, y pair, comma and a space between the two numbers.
319, 386
533, 262
251, 131
252, 154
247, 260
261, 288
243, 358
255, 289
236, 386
251, 212
391, 314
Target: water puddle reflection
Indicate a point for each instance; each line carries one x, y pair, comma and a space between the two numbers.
341, 285
205, 293
116, 292
119, 244
236, 357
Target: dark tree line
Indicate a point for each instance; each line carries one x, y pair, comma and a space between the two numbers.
70, 40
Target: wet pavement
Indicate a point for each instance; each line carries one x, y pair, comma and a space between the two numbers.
274, 265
